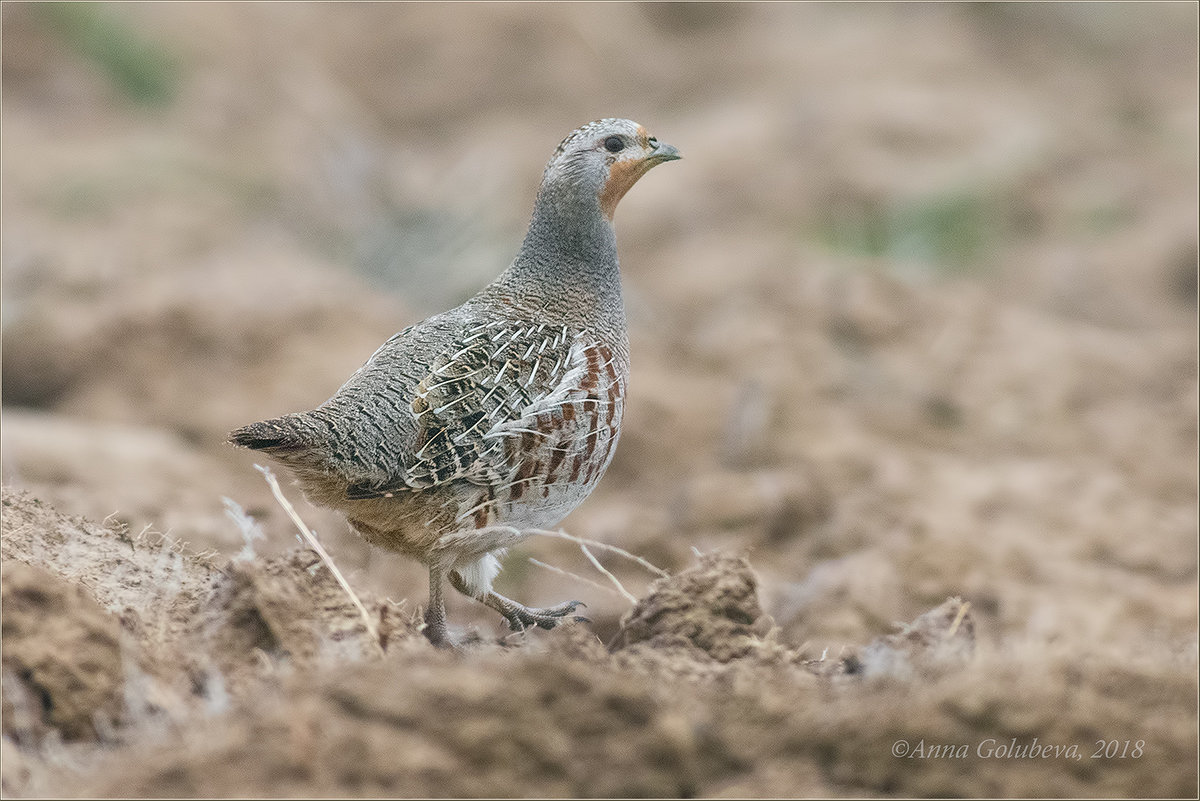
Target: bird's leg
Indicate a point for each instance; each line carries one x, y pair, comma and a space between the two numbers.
435, 613
519, 616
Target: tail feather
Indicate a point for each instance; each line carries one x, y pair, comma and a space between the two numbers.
278, 434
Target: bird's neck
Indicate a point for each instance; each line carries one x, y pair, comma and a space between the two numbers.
568, 261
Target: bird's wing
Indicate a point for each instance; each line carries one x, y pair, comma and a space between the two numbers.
501, 387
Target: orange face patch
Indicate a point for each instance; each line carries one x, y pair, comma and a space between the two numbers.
621, 176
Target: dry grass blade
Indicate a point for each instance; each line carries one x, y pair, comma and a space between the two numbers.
596, 563
574, 576
316, 546
958, 619
603, 546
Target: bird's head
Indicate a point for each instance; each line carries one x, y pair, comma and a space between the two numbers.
603, 159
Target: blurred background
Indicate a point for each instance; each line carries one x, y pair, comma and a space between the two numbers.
914, 317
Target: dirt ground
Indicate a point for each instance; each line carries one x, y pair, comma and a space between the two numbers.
910, 439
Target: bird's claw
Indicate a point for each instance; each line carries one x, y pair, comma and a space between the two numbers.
523, 617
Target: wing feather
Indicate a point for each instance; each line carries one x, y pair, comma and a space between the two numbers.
494, 382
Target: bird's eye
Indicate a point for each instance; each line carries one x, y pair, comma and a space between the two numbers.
614, 144
653, 142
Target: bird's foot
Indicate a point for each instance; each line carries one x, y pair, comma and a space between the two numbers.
435, 629
521, 617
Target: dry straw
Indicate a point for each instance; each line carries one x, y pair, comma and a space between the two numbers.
312, 540
583, 546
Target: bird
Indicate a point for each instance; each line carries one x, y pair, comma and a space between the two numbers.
469, 430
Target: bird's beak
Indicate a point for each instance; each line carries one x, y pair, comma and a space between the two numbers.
663, 152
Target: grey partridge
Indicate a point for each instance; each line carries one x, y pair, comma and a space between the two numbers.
468, 429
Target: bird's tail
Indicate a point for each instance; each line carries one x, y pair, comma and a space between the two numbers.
278, 435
